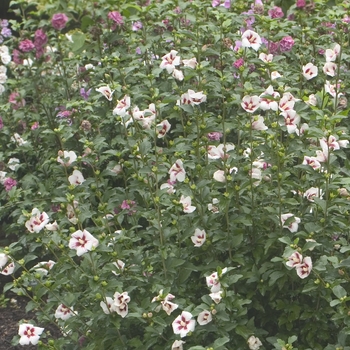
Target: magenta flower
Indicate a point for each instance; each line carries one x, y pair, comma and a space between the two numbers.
16, 100
238, 63
40, 39
17, 57
214, 136
117, 18
26, 45
59, 21
1, 123
9, 183
276, 12
300, 4
286, 44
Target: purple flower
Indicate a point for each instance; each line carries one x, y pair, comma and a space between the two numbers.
215, 3
138, 50
286, 44
1, 123
214, 136
4, 23
276, 12
64, 114
9, 183
129, 205
40, 39
6, 32
17, 57
137, 26
273, 47
26, 45
258, 7
59, 21
85, 94
35, 126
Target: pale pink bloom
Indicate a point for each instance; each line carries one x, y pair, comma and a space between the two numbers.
275, 75
169, 187
177, 345
266, 58
106, 92
191, 63
122, 106
177, 172
250, 103
254, 343
76, 178
251, 39
109, 307
44, 266
183, 324
330, 69
199, 237
302, 129
213, 282
186, 203
3, 260
68, 157
204, 317
219, 176
291, 120
258, 123
216, 297
168, 306
52, 227
295, 259
312, 100
304, 269
310, 71
29, 334
267, 103
169, 61
82, 242
196, 98
312, 161
313, 192
286, 103
292, 226
63, 312
331, 143
37, 221
8, 270
178, 75
331, 55
162, 128
331, 89
321, 156
220, 151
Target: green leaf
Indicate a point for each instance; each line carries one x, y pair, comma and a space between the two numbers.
78, 41
220, 342
339, 291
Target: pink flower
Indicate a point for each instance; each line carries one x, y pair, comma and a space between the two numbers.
258, 123
291, 120
312, 161
26, 45
204, 317
330, 68
238, 63
29, 334
16, 100
276, 12
82, 242
216, 297
268, 99
59, 21
332, 54
177, 172
40, 39
286, 43
214, 136
183, 324
304, 269
116, 17
300, 4
313, 192
266, 58
294, 260
199, 237
9, 183
137, 26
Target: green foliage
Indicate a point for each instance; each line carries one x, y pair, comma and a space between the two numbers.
268, 188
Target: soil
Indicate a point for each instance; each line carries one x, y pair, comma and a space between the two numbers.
11, 312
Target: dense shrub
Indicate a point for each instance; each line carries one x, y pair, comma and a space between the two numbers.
177, 173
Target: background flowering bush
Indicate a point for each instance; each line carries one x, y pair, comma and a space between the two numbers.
176, 173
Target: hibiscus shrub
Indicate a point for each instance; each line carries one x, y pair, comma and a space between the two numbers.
176, 173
